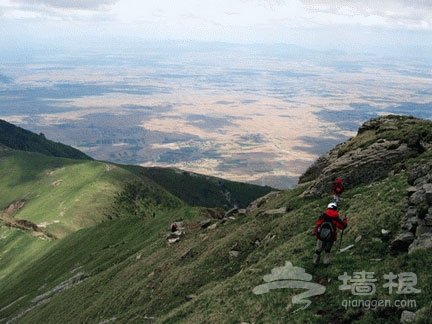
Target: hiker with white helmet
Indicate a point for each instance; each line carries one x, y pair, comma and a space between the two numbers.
326, 233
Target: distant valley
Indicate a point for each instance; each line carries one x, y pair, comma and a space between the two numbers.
242, 112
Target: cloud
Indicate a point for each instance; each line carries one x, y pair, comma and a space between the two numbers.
388, 13
69, 4
314, 23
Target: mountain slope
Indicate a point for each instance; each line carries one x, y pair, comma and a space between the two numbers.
124, 271
205, 191
58, 195
20, 139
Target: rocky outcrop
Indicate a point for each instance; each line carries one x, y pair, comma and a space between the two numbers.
416, 226
380, 148
256, 204
360, 166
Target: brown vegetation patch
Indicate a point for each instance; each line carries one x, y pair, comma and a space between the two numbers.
14, 207
56, 183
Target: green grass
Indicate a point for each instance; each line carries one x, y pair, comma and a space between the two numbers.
20, 139
134, 273
205, 190
113, 226
62, 194
396, 129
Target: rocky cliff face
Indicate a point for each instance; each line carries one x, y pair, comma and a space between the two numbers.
381, 147
416, 226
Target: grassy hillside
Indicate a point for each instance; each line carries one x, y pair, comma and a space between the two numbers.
59, 195
20, 139
202, 190
123, 270
132, 275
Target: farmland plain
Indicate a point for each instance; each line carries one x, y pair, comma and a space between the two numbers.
251, 113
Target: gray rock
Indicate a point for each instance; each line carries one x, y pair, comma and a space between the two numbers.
173, 240
417, 174
360, 166
427, 220
205, 223
213, 226
411, 190
190, 297
407, 317
410, 221
428, 193
231, 212
422, 228
424, 241
234, 254
187, 253
281, 210
417, 197
148, 319
260, 201
242, 211
411, 212
402, 242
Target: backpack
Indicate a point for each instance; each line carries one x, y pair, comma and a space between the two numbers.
338, 189
326, 229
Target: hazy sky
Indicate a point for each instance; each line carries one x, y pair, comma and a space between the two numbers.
346, 24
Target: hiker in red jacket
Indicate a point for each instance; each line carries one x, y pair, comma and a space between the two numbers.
174, 227
338, 189
326, 233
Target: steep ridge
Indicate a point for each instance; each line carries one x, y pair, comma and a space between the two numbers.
59, 195
18, 138
64, 194
124, 270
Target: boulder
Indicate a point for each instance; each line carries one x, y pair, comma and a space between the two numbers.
231, 212
407, 317
205, 223
234, 254
190, 297
260, 201
213, 226
417, 197
424, 241
173, 240
428, 193
402, 242
411, 190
